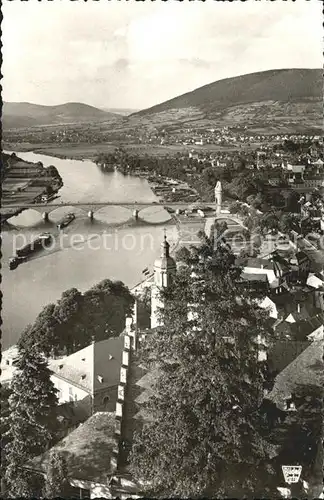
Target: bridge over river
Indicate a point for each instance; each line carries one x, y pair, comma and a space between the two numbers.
92, 207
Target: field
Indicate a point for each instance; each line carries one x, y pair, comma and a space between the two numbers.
83, 151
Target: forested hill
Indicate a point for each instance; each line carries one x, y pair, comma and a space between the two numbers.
25, 114
275, 85
276, 101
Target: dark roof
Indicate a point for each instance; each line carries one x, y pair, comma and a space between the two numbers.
74, 412
284, 328
300, 316
305, 369
308, 326
316, 257
284, 352
254, 262
292, 295
88, 449
262, 278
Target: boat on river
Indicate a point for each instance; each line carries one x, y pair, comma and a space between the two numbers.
41, 242
67, 219
15, 261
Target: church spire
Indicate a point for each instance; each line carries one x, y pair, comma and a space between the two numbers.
164, 269
165, 247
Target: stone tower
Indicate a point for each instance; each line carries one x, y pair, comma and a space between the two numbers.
218, 197
164, 269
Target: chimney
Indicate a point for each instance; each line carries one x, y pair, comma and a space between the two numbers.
298, 307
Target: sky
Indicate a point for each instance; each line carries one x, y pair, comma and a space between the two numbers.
133, 54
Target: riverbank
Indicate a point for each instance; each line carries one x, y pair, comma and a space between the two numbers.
165, 189
26, 182
79, 151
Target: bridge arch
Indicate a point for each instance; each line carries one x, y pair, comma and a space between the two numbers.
112, 213
56, 213
22, 218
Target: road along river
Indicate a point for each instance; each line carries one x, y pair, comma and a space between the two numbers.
86, 252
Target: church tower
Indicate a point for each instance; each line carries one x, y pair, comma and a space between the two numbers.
218, 197
164, 269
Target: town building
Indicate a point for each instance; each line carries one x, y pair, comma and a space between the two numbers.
88, 378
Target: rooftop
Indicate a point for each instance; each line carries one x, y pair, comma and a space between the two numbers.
308, 326
88, 449
305, 369
262, 278
93, 368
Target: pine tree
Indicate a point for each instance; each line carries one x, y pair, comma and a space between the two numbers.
56, 476
206, 435
32, 419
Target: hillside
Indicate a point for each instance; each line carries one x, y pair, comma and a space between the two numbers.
25, 114
121, 111
275, 98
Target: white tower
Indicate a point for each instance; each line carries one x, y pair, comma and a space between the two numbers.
164, 269
218, 197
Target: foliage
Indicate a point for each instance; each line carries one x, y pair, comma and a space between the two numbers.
32, 420
56, 476
5, 393
270, 222
183, 255
70, 324
205, 438
255, 200
144, 308
106, 306
289, 222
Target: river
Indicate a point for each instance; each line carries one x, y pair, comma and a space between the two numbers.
112, 246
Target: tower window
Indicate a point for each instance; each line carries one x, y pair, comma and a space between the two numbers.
105, 400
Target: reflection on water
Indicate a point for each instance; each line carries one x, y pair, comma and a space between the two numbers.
113, 245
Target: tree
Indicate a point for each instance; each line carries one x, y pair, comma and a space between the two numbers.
32, 420
70, 324
205, 438
183, 255
5, 393
255, 200
70, 332
270, 222
43, 333
289, 222
106, 306
56, 476
144, 308
235, 207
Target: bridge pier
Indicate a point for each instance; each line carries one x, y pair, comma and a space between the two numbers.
135, 214
90, 214
45, 216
